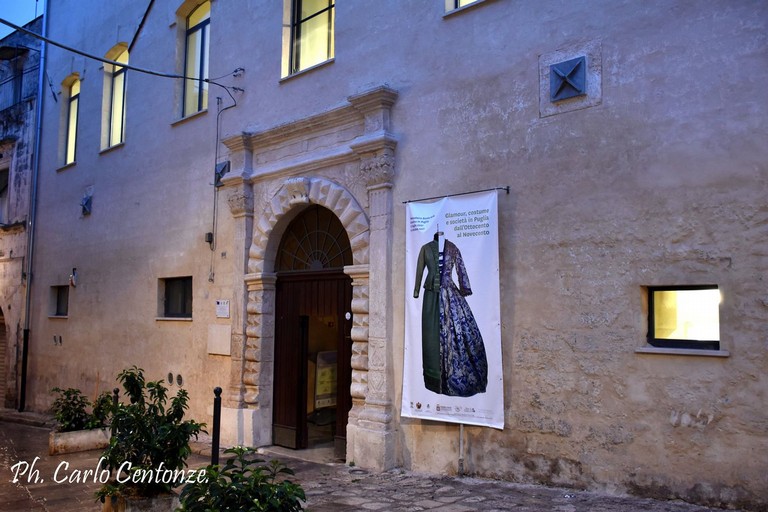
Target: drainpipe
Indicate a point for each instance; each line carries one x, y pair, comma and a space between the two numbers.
33, 208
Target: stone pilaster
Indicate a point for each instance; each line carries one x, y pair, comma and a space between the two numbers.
374, 443
240, 201
250, 422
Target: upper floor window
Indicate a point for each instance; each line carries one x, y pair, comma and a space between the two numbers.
196, 59
452, 5
307, 34
684, 317
114, 90
71, 128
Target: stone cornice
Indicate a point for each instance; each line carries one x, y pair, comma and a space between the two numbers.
366, 113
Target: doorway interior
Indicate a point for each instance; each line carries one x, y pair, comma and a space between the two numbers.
312, 371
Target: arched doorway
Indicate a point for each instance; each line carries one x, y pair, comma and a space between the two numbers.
312, 371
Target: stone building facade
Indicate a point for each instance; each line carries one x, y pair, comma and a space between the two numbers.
631, 137
19, 78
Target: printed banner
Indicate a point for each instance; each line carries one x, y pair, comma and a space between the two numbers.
453, 369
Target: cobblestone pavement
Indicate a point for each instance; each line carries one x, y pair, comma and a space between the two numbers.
329, 487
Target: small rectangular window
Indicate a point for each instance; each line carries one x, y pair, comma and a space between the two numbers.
59, 301
176, 295
684, 317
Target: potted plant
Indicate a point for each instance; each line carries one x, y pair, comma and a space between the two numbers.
149, 445
77, 429
244, 484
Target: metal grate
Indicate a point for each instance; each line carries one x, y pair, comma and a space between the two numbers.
315, 240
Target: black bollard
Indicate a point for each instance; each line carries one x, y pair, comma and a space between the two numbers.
216, 425
115, 399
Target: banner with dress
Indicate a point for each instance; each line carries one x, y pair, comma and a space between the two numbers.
452, 362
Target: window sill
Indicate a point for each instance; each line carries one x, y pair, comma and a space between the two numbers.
58, 317
111, 148
307, 70
464, 8
183, 120
173, 319
682, 352
66, 166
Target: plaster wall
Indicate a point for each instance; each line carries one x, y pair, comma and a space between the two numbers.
658, 177
17, 146
152, 203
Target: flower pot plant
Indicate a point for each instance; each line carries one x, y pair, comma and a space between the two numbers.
70, 409
150, 438
244, 484
77, 428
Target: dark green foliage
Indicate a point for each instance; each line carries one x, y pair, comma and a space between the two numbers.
146, 432
244, 484
71, 410
102, 410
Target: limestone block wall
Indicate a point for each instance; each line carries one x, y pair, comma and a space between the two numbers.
656, 179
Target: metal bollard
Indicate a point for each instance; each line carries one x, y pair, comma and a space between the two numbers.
216, 426
115, 400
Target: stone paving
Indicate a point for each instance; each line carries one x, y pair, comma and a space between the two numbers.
329, 487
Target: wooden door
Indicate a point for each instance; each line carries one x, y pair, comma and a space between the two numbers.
300, 298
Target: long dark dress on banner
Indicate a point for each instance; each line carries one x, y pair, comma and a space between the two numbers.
452, 353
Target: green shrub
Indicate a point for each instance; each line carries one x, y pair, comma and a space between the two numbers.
70, 409
147, 432
244, 484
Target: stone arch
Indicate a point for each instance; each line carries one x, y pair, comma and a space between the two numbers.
304, 191
295, 194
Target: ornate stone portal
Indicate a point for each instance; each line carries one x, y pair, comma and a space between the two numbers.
326, 160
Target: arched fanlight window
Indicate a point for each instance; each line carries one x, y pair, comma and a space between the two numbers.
315, 240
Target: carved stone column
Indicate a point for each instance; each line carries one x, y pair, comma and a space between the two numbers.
250, 423
240, 200
375, 440
359, 386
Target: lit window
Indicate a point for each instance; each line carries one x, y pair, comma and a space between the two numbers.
114, 82
684, 317
196, 60
72, 109
59, 300
452, 5
176, 297
307, 34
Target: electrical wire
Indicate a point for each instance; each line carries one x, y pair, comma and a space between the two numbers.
126, 66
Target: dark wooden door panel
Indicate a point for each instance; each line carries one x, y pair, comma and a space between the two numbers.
299, 296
